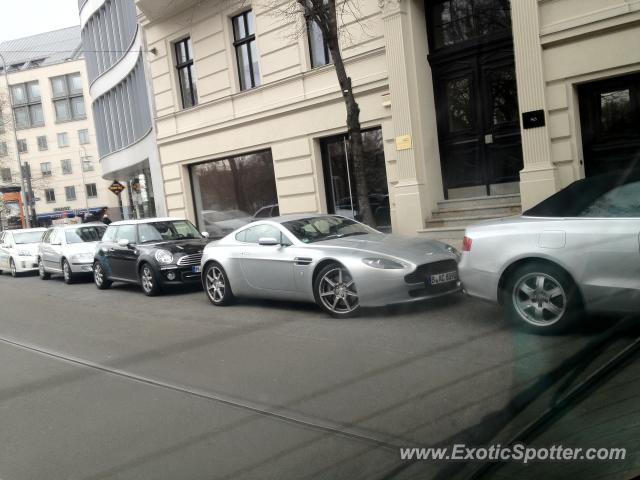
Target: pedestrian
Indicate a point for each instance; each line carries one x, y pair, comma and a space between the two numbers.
105, 218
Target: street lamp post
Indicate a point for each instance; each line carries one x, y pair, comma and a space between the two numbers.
15, 138
83, 159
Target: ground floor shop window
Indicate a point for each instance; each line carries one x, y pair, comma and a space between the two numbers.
232, 192
340, 177
140, 197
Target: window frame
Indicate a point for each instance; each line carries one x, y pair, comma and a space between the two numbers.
187, 66
3, 177
238, 43
83, 132
66, 166
327, 53
42, 148
25, 149
28, 104
91, 192
68, 97
50, 198
64, 135
70, 188
48, 172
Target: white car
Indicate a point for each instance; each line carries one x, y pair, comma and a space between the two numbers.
69, 250
19, 250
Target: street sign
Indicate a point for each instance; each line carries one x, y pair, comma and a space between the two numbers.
116, 187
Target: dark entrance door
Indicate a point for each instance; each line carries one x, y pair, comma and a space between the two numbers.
610, 120
475, 90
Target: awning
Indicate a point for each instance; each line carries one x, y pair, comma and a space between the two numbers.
68, 213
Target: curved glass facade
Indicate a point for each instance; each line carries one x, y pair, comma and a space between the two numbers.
122, 114
107, 35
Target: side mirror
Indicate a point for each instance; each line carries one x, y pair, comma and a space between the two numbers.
205, 234
123, 242
268, 241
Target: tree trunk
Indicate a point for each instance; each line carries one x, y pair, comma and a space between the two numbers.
329, 28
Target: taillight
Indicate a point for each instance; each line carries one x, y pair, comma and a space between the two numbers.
466, 244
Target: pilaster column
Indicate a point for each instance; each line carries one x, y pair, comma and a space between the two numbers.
538, 178
406, 57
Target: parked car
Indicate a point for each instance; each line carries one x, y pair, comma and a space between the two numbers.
267, 212
69, 250
154, 253
577, 251
337, 262
19, 250
219, 223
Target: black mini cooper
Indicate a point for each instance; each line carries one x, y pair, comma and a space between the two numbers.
153, 253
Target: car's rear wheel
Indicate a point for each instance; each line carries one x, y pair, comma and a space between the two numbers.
542, 297
67, 273
335, 291
217, 286
148, 281
12, 267
44, 275
100, 276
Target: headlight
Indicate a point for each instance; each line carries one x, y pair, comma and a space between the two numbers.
453, 250
82, 258
25, 253
164, 256
384, 263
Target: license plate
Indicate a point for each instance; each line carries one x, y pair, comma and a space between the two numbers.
195, 269
442, 278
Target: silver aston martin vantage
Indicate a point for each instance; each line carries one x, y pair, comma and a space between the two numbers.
336, 262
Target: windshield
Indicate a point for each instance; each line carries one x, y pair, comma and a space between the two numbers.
317, 229
166, 231
85, 234
27, 237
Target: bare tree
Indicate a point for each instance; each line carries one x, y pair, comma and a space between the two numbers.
330, 17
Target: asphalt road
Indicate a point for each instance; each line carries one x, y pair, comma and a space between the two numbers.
111, 384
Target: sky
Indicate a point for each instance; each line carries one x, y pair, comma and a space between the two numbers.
21, 18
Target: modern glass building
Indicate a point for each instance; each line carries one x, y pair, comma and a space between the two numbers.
115, 54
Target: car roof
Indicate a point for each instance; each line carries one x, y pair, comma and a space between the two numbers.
295, 216
21, 230
146, 220
73, 226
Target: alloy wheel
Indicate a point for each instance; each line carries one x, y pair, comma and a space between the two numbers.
66, 270
338, 292
41, 268
98, 274
539, 299
147, 279
215, 283
14, 271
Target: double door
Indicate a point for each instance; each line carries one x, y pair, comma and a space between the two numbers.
477, 117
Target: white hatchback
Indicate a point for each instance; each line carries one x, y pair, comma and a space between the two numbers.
19, 250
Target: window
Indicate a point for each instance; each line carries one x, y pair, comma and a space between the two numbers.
610, 195
68, 101
45, 168
87, 166
49, 195
221, 191
186, 74
3, 149
126, 232
70, 193
92, 190
83, 136
66, 166
6, 174
63, 139
85, 234
318, 48
253, 234
246, 54
22, 146
42, 143
27, 105
110, 234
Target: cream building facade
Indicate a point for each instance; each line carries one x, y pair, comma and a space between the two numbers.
473, 110
53, 125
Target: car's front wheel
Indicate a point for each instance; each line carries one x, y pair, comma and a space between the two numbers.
216, 285
148, 281
542, 297
67, 273
100, 276
335, 291
12, 267
44, 275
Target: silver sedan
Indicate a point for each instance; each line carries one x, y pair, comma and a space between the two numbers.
338, 263
577, 251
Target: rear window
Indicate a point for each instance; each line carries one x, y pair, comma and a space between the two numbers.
85, 234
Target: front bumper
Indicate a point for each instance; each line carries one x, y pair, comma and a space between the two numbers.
378, 288
180, 275
26, 264
82, 267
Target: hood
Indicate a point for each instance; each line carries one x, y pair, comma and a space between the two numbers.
411, 249
84, 247
32, 248
188, 247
